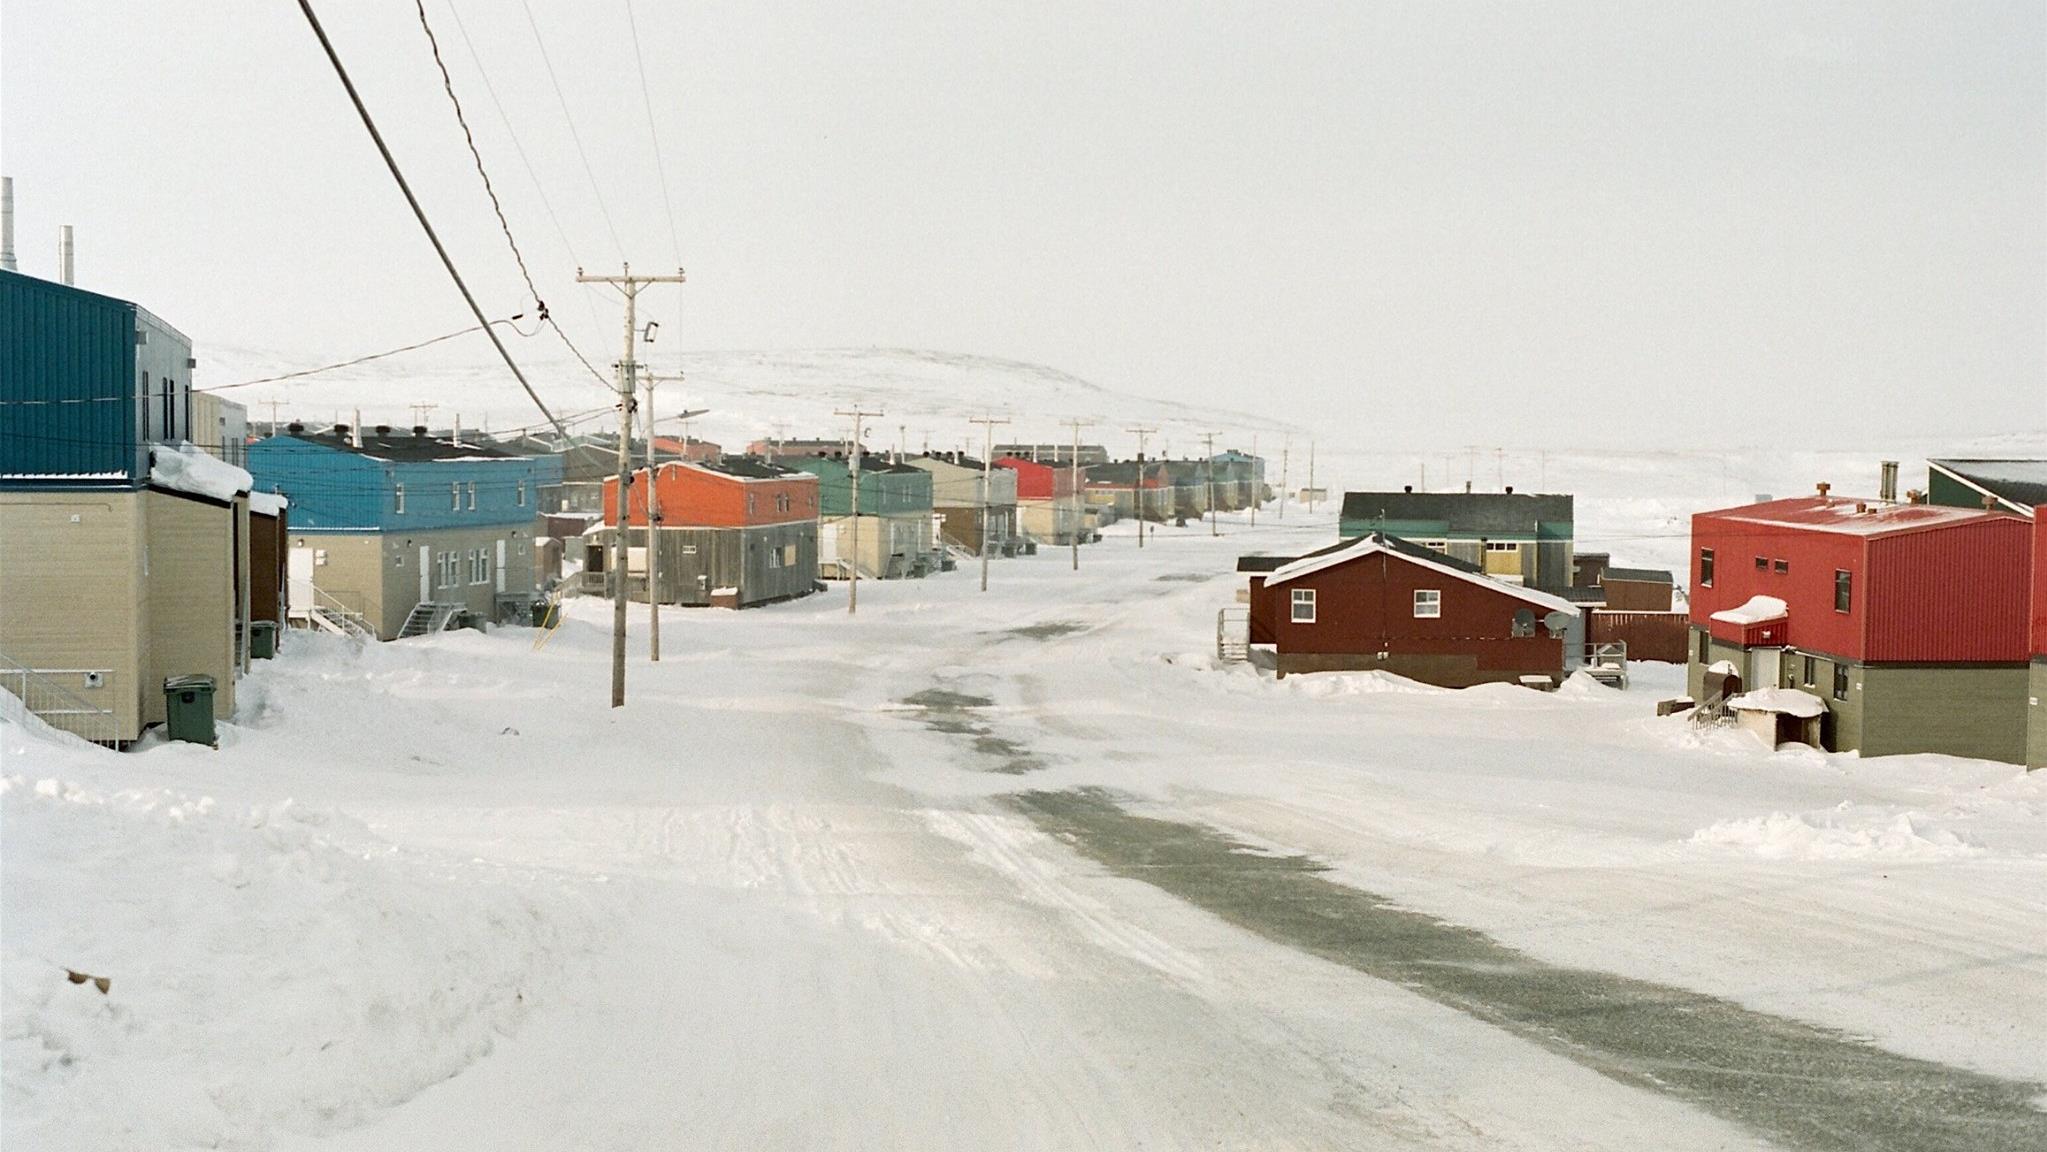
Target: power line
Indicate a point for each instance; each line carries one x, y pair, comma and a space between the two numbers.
358, 360
504, 225
573, 134
647, 101
418, 212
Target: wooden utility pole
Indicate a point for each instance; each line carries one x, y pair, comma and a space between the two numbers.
1312, 493
1208, 459
1257, 479
1079, 505
653, 534
987, 424
853, 470
1137, 486
1286, 447
274, 403
629, 286
420, 412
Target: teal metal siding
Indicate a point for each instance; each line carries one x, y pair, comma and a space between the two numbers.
67, 386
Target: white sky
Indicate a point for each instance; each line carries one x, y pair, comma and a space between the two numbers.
1504, 224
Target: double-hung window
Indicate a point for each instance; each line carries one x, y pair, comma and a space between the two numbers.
519, 493
454, 496
1840, 681
1303, 606
398, 498
472, 495
1844, 589
1428, 603
1705, 567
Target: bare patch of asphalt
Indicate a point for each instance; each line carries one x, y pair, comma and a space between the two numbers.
953, 713
1049, 630
1799, 1085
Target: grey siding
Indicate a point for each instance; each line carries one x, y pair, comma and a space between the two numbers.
1977, 712
696, 562
2036, 714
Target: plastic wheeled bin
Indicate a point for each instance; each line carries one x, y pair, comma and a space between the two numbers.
262, 639
188, 709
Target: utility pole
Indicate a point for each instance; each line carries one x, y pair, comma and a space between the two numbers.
1137, 486
420, 412
1208, 459
274, 403
1079, 506
653, 535
857, 415
1312, 493
629, 286
987, 424
1286, 447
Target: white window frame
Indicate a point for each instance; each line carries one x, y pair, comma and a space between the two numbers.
1299, 599
1428, 603
454, 495
472, 495
520, 493
398, 499
1503, 546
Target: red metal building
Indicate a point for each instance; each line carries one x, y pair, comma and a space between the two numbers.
1035, 481
1381, 603
1910, 620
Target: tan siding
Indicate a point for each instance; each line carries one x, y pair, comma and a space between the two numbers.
71, 593
191, 599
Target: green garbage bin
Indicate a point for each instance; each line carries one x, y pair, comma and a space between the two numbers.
541, 609
188, 709
262, 639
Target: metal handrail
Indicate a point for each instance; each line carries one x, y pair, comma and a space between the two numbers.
57, 705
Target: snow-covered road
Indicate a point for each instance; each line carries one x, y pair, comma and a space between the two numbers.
790, 897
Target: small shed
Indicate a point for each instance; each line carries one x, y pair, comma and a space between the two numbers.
1780, 715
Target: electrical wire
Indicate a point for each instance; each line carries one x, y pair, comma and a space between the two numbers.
504, 225
573, 134
647, 102
358, 360
418, 212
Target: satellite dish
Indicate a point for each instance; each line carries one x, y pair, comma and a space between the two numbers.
1524, 622
1557, 623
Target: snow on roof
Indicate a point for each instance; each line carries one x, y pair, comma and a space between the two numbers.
267, 503
1758, 610
1838, 514
1789, 701
184, 468
1368, 546
1723, 668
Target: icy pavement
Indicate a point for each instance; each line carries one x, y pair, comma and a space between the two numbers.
804, 892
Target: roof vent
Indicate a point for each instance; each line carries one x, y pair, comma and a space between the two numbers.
1510, 489
341, 429
1989, 503
294, 427
1407, 487
383, 429
1824, 488
419, 430
1861, 506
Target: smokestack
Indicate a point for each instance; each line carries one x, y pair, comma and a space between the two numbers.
1887, 489
7, 224
64, 269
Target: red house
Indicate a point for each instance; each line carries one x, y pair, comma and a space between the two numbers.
731, 534
2036, 685
1035, 481
1379, 602
1908, 620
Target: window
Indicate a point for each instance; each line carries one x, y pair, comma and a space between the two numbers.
519, 493
1303, 606
319, 555
397, 559
1807, 679
774, 557
472, 495
1762, 563
1704, 643
1705, 567
398, 498
454, 496
749, 503
1780, 566
1844, 589
1497, 546
689, 549
479, 566
1428, 603
1840, 681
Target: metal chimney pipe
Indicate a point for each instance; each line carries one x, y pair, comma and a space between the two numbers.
64, 269
355, 429
7, 224
1887, 490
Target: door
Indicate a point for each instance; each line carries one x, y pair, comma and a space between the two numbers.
500, 573
1766, 667
298, 594
426, 572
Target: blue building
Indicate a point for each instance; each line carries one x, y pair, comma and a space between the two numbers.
401, 530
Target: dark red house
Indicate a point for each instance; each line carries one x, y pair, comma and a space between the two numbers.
1379, 602
2036, 684
1908, 620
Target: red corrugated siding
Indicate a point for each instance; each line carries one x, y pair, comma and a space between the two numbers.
1807, 589
1366, 606
1955, 593
2040, 581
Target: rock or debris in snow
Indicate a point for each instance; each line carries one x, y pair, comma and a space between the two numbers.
1759, 609
267, 503
1789, 701
184, 468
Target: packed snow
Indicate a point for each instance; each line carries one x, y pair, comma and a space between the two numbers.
1754, 610
1789, 701
185, 467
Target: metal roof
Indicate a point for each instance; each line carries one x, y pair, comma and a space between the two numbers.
1471, 512
1395, 543
1645, 575
1365, 546
1838, 514
2021, 484
403, 446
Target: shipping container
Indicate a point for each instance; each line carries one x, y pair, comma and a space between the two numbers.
68, 390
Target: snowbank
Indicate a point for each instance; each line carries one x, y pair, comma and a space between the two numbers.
1758, 610
267, 503
1834, 836
1789, 701
272, 968
185, 468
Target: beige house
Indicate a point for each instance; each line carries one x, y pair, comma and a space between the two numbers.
971, 502
383, 577
121, 589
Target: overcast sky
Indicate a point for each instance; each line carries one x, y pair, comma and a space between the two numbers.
1620, 222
